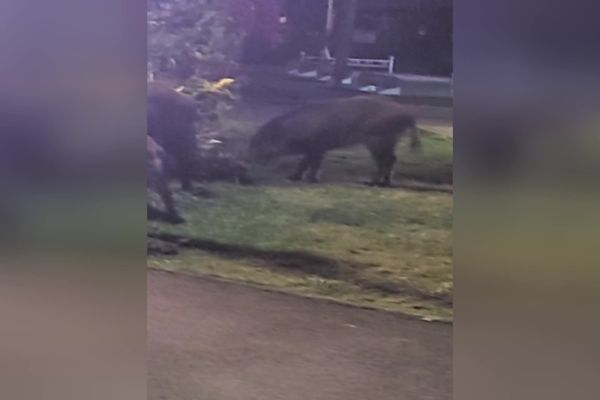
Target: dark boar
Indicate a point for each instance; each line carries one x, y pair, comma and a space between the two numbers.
157, 181
374, 121
171, 123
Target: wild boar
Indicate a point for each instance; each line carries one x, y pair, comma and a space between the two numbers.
157, 181
171, 123
374, 121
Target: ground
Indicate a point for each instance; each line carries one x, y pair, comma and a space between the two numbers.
381, 248
261, 304
215, 340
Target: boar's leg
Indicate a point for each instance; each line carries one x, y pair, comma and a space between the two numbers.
311, 162
185, 179
387, 169
159, 183
185, 165
383, 152
167, 198
302, 167
314, 168
379, 175
154, 214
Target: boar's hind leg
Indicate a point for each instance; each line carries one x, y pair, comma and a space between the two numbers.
385, 165
314, 168
385, 158
388, 169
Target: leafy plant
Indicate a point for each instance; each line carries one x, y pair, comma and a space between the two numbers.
203, 38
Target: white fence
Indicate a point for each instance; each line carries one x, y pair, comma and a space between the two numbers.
368, 63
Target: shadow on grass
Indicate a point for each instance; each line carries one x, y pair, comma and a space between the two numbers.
297, 261
422, 187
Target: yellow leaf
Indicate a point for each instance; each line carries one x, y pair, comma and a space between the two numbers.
222, 84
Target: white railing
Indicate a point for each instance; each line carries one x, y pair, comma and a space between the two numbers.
371, 63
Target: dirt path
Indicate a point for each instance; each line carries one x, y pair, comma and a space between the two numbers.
210, 340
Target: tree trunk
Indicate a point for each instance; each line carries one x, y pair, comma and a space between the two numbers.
330, 16
344, 27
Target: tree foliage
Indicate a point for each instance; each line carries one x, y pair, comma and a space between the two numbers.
195, 46
188, 38
203, 38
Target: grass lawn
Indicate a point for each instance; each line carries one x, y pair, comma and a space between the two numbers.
383, 248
